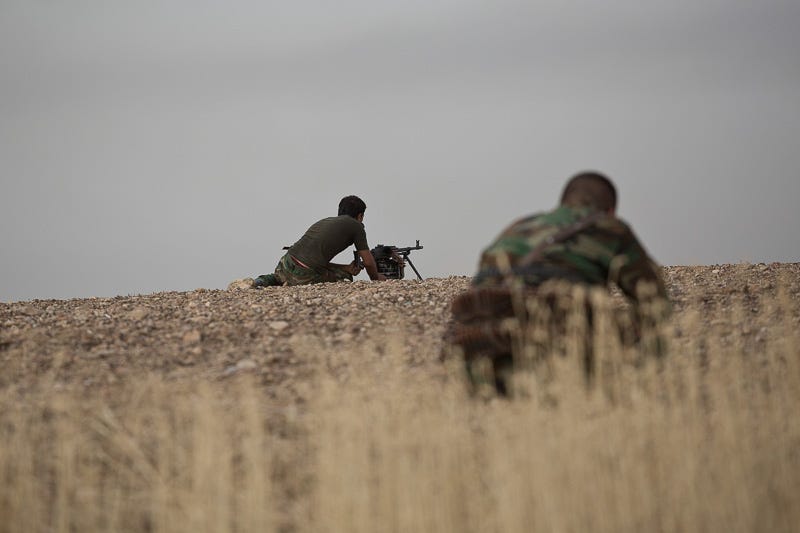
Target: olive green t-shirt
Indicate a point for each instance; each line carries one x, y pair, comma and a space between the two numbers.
326, 238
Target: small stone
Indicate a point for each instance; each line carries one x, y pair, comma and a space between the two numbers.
192, 336
246, 364
278, 325
241, 284
81, 314
186, 360
715, 271
138, 313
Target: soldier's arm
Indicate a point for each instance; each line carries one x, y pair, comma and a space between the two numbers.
370, 266
360, 242
640, 278
637, 274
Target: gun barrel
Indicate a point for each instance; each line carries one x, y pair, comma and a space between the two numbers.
407, 249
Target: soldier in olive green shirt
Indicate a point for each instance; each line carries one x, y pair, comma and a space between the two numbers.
309, 259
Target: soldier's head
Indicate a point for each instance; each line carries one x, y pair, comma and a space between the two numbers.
353, 206
590, 189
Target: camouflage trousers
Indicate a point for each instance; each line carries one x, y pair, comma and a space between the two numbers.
498, 330
290, 272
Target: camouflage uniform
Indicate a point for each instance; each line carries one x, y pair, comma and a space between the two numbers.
570, 245
290, 272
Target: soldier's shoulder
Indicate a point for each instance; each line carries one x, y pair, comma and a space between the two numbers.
522, 224
614, 224
526, 219
344, 220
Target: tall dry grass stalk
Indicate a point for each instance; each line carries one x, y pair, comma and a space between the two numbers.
706, 439
170, 458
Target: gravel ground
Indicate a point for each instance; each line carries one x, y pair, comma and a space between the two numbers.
98, 349
96, 344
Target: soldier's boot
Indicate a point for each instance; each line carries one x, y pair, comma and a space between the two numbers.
266, 280
503, 374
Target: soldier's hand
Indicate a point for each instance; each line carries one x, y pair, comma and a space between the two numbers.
354, 268
399, 259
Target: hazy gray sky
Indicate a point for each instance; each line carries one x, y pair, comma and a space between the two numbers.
149, 146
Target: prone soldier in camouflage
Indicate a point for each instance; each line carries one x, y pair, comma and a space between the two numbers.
309, 259
579, 242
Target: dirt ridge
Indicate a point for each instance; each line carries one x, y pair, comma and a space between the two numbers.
98, 343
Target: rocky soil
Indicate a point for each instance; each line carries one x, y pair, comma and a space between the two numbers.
97, 344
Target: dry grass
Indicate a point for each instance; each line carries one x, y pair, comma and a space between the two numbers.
706, 439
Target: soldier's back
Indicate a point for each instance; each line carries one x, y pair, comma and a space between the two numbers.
564, 245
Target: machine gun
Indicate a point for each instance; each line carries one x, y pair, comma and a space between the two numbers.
391, 260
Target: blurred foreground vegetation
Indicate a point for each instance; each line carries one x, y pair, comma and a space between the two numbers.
706, 439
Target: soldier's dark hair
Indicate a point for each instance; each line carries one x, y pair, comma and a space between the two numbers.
590, 189
352, 205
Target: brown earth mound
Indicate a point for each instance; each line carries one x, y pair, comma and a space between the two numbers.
96, 343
